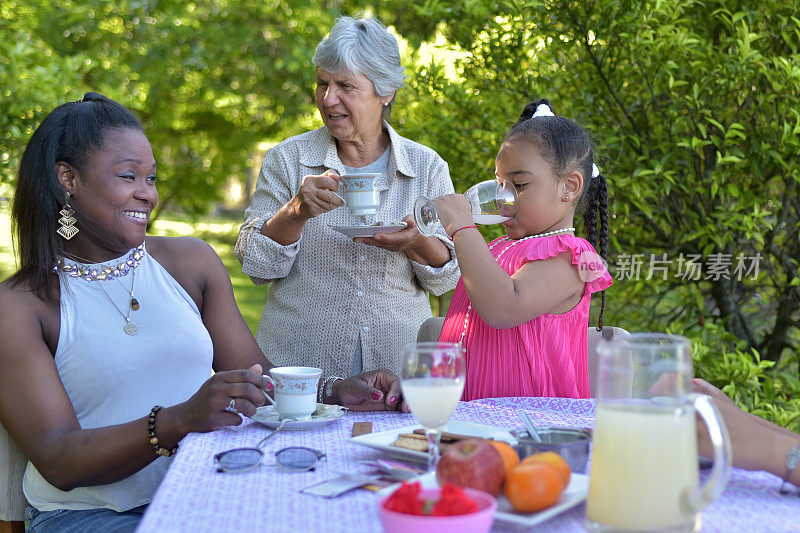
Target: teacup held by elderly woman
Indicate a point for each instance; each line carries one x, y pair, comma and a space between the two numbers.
360, 194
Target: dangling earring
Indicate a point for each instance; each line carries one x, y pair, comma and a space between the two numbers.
67, 222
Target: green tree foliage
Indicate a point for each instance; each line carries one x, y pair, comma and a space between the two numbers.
210, 80
694, 107
32, 77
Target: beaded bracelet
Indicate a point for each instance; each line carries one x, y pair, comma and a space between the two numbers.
326, 388
151, 431
453, 236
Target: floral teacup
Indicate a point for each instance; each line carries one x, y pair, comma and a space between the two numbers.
295, 390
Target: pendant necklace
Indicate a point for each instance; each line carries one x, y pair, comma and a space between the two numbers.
130, 328
110, 272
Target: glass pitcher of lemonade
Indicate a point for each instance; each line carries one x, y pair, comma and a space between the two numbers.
644, 471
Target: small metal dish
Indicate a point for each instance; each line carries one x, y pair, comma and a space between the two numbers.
570, 443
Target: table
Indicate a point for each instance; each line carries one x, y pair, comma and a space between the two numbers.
193, 497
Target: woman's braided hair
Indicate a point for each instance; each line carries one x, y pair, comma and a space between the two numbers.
566, 147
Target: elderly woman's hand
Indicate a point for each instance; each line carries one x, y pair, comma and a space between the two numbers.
406, 239
317, 195
418, 248
376, 390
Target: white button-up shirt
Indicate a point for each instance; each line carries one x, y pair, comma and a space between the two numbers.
327, 290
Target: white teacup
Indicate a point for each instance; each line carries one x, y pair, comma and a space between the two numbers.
295, 390
360, 194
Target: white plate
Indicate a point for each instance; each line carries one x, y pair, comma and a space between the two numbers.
368, 231
324, 414
383, 439
575, 493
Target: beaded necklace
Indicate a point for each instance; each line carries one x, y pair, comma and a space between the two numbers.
104, 271
507, 248
109, 272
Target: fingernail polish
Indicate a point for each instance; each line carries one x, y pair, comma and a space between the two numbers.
269, 385
376, 396
392, 399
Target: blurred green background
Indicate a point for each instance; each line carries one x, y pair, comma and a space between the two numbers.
694, 107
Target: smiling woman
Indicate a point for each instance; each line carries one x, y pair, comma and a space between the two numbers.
113, 195
103, 325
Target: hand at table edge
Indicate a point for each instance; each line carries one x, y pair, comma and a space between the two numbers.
375, 390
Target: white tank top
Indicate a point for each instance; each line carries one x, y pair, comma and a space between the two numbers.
112, 377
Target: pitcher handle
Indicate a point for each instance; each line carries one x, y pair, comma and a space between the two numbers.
721, 442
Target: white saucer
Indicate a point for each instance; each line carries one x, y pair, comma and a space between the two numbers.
324, 414
368, 231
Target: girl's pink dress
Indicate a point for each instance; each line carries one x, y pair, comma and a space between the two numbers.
546, 356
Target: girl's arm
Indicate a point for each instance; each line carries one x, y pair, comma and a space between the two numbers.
504, 301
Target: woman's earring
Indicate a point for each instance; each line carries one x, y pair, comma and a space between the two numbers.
67, 222
386, 104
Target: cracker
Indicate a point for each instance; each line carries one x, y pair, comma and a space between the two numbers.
411, 442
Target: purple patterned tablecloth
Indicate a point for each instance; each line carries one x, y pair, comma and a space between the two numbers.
193, 497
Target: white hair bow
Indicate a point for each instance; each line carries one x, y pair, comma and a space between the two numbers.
543, 110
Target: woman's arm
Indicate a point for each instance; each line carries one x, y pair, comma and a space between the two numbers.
314, 198
423, 250
279, 209
757, 444
38, 414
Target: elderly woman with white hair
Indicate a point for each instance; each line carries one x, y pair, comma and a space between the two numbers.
342, 304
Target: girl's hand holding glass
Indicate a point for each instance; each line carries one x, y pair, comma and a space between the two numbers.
453, 212
490, 202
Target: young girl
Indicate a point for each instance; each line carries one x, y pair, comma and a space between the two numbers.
521, 308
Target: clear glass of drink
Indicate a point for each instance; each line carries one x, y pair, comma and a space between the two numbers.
432, 379
491, 201
644, 470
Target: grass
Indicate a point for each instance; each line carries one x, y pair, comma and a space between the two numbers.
219, 233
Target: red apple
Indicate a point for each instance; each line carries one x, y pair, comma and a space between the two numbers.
472, 463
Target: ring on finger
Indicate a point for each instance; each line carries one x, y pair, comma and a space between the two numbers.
232, 407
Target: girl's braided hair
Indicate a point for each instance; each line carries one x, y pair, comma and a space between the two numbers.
566, 146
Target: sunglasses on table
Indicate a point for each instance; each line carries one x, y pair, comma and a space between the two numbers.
294, 458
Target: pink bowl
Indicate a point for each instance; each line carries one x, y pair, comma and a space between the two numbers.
478, 522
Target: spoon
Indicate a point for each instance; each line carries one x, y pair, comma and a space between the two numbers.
526, 420
275, 431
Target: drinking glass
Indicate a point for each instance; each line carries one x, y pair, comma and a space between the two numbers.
432, 378
644, 471
491, 202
